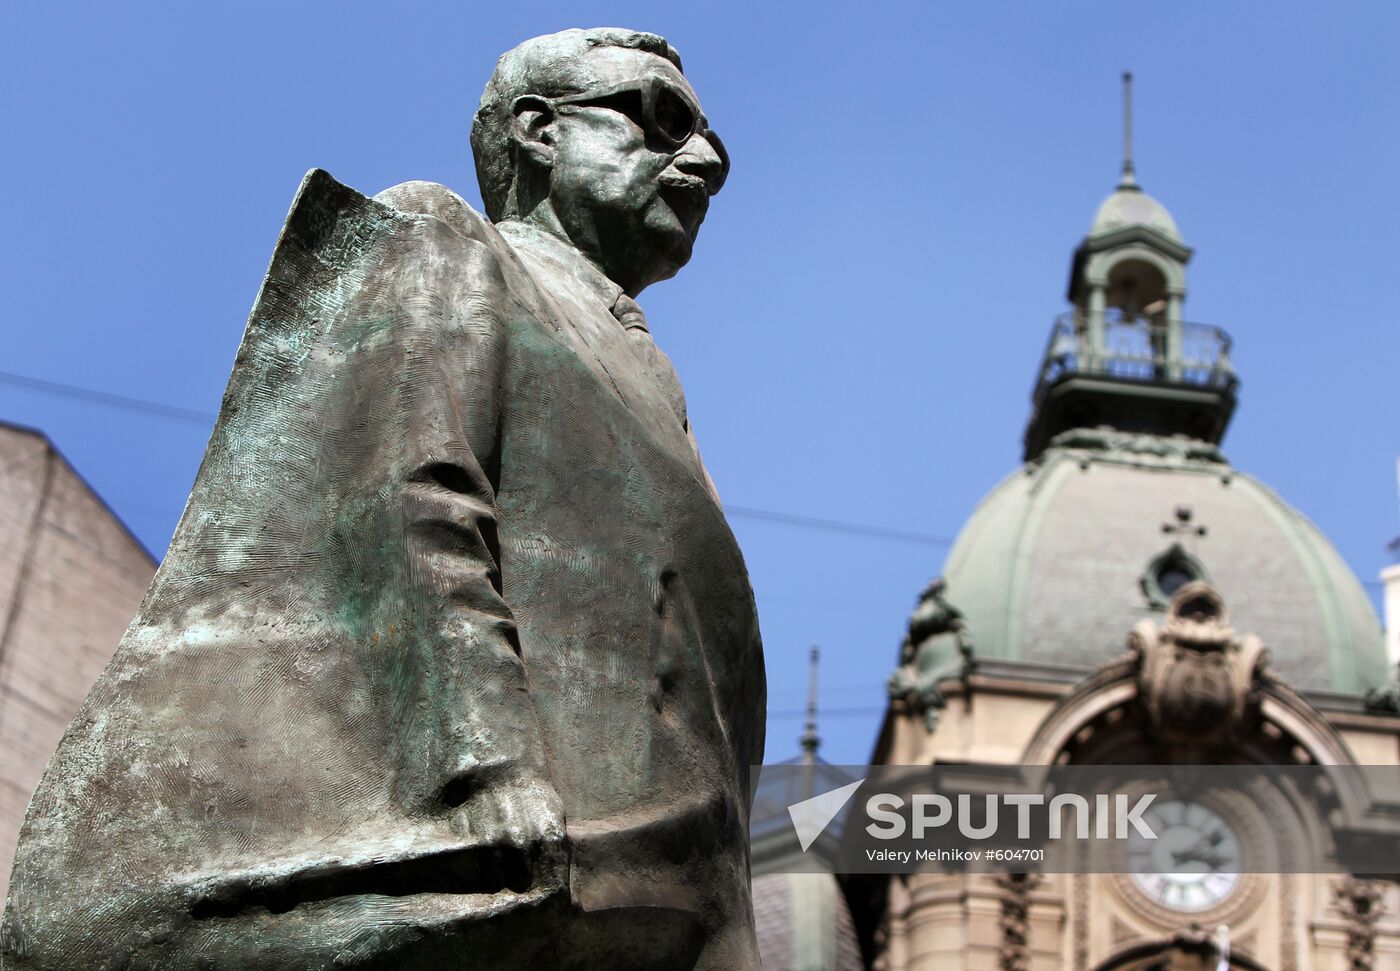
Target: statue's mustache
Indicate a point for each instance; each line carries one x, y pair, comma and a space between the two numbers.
682, 182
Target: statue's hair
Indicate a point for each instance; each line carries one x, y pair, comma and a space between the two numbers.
550, 66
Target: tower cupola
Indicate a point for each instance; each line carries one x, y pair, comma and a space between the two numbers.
1124, 357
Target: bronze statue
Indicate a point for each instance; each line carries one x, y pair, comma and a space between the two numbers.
453, 660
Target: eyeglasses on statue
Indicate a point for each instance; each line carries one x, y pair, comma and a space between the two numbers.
660, 109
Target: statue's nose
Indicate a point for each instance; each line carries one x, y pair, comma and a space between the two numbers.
700, 158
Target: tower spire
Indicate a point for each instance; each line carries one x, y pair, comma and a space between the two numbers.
1129, 180
810, 740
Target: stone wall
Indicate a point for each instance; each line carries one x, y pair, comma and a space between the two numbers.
71, 578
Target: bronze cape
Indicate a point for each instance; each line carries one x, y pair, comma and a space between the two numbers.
453, 660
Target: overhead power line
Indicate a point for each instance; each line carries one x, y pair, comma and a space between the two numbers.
837, 526
106, 398
110, 400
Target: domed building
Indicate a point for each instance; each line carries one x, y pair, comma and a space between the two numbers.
801, 915
1056, 634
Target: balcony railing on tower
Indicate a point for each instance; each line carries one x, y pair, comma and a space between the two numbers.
1152, 375
1136, 348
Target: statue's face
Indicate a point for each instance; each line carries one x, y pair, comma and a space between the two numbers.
634, 167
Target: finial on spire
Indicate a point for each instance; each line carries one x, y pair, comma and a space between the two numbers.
1129, 180
810, 739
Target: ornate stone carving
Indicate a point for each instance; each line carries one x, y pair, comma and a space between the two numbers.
1199, 946
1360, 902
1196, 677
1081, 891
1387, 697
1015, 951
1178, 448
937, 648
1288, 916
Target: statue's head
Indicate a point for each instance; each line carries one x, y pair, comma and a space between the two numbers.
596, 136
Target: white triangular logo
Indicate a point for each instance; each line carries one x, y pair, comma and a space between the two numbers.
811, 816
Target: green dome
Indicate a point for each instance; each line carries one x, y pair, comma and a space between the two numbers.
1130, 206
1063, 557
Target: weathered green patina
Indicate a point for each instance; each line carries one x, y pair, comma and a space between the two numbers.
453, 661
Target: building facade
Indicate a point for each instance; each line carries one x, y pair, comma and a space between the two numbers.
71, 577
1128, 596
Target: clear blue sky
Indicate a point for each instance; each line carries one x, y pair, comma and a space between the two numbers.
860, 326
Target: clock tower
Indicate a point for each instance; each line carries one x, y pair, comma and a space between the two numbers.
1129, 596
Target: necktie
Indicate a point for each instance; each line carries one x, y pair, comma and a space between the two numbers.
655, 361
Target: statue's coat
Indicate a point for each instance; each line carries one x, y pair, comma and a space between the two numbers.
453, 660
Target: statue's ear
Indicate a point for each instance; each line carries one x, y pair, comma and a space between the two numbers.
532, 129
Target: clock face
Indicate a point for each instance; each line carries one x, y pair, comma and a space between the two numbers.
1193, 864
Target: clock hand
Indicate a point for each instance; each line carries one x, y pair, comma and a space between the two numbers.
1188, 855
1199, 854
1203, 843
